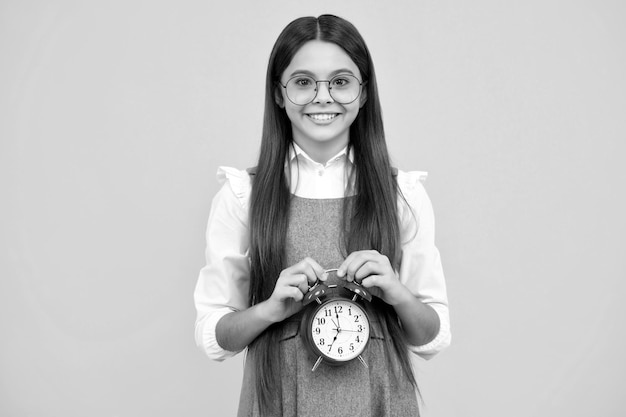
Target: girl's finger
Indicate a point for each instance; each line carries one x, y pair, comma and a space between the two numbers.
346, 269
299, 281
286, 291
290, 293
371, 281
303, 286
312, 270
354, 262
297, 294
367, 269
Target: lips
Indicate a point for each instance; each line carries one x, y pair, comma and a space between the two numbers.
322, 117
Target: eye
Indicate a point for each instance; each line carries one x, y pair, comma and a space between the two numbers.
341, 81
302, 82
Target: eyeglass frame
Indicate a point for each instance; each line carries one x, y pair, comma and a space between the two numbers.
361, 83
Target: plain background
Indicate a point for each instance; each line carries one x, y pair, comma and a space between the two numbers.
115, 115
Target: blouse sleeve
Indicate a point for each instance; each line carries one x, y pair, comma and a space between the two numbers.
421, 269
223, 283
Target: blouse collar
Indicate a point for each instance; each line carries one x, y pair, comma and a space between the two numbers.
296, 152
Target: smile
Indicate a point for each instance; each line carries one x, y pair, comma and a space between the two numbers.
322, 117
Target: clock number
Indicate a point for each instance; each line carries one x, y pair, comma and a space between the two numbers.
336, 342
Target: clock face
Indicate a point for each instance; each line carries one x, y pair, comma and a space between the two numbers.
340, 330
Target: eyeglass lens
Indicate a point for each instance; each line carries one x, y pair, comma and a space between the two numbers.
343, 89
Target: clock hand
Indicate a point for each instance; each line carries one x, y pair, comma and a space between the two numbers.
338, 331
333, 342
336, 324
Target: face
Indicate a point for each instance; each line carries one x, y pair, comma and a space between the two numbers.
321, 127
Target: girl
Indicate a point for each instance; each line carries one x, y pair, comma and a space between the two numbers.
323, 196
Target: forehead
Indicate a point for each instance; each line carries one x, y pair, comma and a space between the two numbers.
321, 59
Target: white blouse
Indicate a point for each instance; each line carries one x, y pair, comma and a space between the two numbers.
223, 283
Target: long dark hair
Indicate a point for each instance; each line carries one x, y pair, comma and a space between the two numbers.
370, 221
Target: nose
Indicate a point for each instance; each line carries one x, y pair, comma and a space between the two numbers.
322, 94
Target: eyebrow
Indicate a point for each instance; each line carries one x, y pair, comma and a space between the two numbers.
331, 75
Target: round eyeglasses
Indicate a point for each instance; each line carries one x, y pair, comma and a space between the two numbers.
302, 89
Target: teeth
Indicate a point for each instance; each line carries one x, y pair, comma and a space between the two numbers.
322, 117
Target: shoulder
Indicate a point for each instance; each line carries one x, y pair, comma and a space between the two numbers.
411, 187
238, 181
414, 205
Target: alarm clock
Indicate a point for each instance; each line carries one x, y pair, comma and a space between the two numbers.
336, 328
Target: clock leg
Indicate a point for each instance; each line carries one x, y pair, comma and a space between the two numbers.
363, 361
317, 363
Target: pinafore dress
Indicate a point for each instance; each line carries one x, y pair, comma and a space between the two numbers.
330, 391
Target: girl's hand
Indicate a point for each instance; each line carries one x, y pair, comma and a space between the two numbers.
374, 271
292, 284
